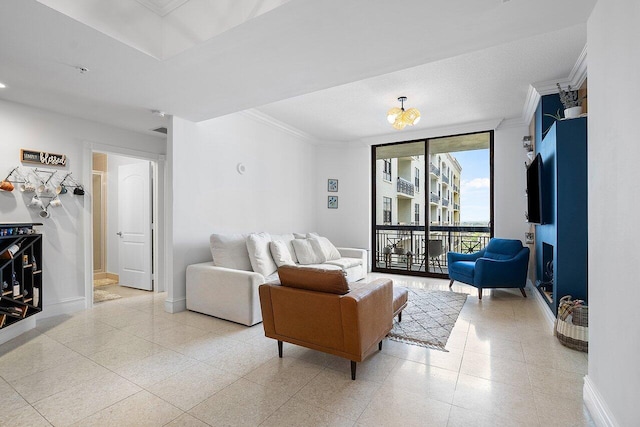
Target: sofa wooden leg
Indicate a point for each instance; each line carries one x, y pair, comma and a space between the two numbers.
400, 317
380, 345
451, 283
479, 293
524, 294
280, 349
353, 370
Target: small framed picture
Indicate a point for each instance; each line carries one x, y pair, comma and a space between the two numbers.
332, 185
332, 202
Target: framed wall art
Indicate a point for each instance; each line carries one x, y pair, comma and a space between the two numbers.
332, 185
332, 202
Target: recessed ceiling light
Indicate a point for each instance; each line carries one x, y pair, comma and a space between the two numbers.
2, 85
158, 113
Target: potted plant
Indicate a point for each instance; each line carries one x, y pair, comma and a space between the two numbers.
571, 102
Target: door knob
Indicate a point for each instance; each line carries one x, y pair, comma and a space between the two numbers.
119, 233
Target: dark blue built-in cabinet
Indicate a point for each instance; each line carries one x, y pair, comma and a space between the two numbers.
561, 241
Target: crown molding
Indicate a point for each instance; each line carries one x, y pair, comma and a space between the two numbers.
515, 122
576, 78
578, 73
162, 7
266, 119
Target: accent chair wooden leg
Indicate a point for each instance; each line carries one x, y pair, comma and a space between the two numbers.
380, 345
479, 293
353, 370
524, 294
451, 283
280, 349
400, 317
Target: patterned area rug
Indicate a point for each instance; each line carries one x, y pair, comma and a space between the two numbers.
428, 319
99, 296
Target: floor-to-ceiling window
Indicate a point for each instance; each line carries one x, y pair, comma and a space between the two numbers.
429, 197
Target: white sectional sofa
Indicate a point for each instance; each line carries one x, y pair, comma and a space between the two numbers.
227, 287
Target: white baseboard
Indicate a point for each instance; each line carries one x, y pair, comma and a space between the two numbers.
176, 305
597, 407
544, 307
10, 332
67, 306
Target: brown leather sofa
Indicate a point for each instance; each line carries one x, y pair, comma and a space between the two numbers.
315, 308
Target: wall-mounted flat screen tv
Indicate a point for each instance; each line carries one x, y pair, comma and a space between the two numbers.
534, 191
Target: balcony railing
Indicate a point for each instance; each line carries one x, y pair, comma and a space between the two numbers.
456, 207
434, 169
445, 202
405, 187
403, 247
456, 188
445, 179
434, 198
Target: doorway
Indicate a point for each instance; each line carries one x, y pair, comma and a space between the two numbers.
431, 196
123, 232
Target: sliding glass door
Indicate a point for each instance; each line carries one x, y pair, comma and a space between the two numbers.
430, 197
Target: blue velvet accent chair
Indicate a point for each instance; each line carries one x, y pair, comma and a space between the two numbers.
503, 263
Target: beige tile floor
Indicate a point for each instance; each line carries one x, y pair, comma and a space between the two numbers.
129, 363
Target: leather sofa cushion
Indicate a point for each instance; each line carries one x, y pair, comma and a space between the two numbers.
314, 279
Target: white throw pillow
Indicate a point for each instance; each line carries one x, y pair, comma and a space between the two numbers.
299, 235
328, 250
260, 255
286, 238
306, 253
280, 253
230, 251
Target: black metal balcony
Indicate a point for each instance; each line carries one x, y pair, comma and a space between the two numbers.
456, 207
434, 169
445, 202
403, 247
405, 187
456, 188
434, 198
445, 179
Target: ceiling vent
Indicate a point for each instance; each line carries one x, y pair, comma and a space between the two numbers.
161, 129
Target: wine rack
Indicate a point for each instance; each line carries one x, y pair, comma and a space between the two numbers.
20, 272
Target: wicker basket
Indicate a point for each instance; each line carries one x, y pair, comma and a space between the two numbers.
572, 324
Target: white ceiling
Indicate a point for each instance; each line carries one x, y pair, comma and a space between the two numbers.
337, 60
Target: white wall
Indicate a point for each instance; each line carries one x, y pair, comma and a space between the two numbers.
509, 183
64, 239
350, 224
612, 386
113, 240
277, 193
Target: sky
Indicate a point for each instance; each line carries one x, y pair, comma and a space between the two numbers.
474, 185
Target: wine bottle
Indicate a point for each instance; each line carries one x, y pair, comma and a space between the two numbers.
16, 285
34, 266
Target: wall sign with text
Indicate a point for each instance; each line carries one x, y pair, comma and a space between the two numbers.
43, 158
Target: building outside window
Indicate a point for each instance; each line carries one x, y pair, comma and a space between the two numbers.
386, 210
386, 173
416, 209
417, 179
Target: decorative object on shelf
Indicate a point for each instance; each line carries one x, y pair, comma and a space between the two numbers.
399, 118
44, 213
527, 143
42, 157
332, 202
332, 185
571, 102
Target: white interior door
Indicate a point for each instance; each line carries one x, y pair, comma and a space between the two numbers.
134, 220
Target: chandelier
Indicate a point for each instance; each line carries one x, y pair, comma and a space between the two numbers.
399, 118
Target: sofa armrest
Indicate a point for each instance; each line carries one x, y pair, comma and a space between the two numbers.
355, 253
367, 316
224, 292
